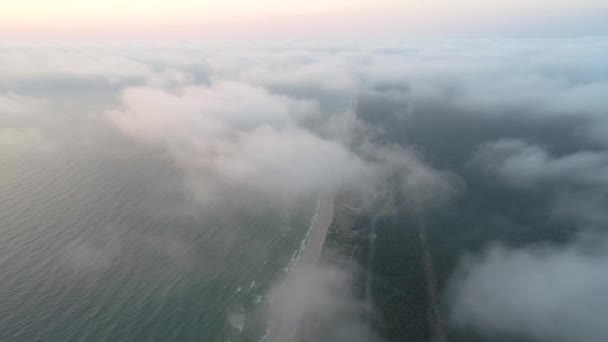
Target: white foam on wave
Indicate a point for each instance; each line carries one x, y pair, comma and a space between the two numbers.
237, 321
298, 253
296, 256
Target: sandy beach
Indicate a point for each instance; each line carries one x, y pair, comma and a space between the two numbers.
281, 328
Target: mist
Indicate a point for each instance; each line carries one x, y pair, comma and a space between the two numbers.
498, 146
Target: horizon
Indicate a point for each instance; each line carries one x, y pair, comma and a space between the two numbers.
331, 171
269, 19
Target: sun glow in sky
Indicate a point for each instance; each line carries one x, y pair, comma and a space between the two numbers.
116, 17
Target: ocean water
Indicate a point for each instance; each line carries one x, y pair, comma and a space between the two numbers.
100, 241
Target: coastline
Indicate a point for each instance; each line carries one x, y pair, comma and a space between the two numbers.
324, 217
285, 330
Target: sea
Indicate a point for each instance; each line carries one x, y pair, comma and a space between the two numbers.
101, 240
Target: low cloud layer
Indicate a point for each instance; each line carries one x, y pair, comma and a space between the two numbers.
231, 135
422, 187
274, 122
319, 301
525, 165
548, 293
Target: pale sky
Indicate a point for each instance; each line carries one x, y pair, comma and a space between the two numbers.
192, 18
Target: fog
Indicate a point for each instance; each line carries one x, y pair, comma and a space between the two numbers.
279, 123
550, 293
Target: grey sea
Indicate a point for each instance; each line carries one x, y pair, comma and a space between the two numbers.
101, 241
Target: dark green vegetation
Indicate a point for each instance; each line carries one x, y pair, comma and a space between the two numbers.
485, 211
398, 287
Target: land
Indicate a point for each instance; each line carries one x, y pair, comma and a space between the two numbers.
434, 316
284, 328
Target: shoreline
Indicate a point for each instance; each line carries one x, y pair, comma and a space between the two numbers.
281, 330
324, 217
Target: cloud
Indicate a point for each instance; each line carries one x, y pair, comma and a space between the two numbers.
548, 293
231, 135
585, 208
216, 111
320, 298
574, 184
37, 63
522, 164
258, 122
12, 106
522, 79
423, 187
329, 74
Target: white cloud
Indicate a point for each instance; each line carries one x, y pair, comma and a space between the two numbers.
236, 135
522, 164
321, 299
235, 120
422, 187
549, 293
39, 63
13, 105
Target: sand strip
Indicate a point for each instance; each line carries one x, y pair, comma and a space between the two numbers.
285, 330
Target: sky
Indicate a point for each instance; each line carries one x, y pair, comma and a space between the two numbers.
245, 19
